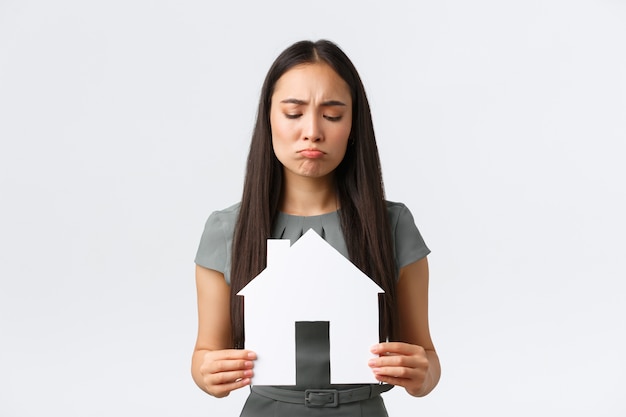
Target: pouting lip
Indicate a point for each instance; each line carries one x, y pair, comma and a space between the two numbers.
311, 153
311, 150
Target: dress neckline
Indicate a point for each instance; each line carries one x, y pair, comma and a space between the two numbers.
315, 216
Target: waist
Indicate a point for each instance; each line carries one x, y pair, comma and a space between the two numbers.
321, 397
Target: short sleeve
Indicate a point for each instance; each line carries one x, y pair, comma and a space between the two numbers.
214, 251
408, 241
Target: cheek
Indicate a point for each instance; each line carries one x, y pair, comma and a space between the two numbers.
342, 138
343, 133
279, 138
279, 129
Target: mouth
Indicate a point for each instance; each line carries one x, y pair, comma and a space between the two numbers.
311, 153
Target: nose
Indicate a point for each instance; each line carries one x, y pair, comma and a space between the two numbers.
312, 129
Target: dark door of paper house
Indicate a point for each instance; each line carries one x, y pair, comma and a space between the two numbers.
312, 354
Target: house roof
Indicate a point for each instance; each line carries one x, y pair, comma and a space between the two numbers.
311, 266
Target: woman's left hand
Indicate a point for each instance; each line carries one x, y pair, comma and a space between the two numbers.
401, 364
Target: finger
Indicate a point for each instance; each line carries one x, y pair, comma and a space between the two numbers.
222, 366
411, 379
397, 372
223, 390
229, 378
231, 354
401, 382
397, 361
399, 348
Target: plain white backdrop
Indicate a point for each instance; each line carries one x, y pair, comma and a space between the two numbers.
123, 124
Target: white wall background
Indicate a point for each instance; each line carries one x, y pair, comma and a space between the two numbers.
123, 124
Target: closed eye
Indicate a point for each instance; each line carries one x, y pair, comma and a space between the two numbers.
292, 115
332, 118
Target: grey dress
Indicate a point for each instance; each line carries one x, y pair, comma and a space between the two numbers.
214, 252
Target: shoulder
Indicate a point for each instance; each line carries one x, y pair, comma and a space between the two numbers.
228, 213
223, 220
397, 212
395, 206
408, 243
214, 251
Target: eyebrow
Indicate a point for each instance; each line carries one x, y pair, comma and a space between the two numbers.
302, 102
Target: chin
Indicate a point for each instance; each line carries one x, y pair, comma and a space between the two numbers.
312, 169
311, 173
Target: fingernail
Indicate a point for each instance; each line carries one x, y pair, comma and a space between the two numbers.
247, 373
251, 355
248, 364
372, 362
374, 348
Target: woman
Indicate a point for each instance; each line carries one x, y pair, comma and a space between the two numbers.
313, 160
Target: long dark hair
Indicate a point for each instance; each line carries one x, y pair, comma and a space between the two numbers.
363, 212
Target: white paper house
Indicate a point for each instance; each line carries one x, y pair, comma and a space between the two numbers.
310, 281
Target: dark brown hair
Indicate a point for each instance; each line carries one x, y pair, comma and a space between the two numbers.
363, 212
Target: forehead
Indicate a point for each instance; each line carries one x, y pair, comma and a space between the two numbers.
307, 81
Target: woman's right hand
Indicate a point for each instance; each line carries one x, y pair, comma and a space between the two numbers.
226, 370
216, 368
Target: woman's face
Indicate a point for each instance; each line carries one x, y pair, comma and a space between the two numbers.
310, 118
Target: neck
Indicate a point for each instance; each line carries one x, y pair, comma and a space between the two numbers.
304, 196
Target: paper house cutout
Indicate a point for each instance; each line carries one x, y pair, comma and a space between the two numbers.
310, 281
